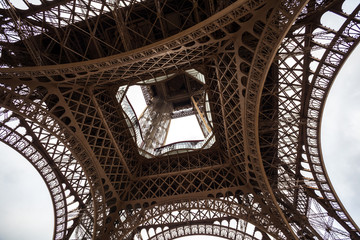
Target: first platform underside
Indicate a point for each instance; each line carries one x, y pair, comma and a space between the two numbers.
254, 73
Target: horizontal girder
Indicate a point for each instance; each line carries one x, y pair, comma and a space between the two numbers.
63, 63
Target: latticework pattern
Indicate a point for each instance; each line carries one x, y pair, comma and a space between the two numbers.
268, 67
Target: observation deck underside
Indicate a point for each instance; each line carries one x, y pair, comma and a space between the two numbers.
255, 74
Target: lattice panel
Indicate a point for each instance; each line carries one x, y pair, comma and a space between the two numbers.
24, 104
201, 181
71, 31
266, 89
189, 210
181, 162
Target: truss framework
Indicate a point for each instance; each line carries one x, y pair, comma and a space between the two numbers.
263, 178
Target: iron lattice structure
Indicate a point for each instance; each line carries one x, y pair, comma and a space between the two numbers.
268, 67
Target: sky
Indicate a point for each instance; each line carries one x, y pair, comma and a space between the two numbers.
180, 129
25, 206
26, 210
340, 128
340, 135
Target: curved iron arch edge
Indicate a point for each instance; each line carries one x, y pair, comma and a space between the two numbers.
138, 218
43, 177
162, 233
254, 108
95, 184
150, 51
318, 131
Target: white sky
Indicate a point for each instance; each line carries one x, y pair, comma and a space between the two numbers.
26, 209
181, 129
340, 135
138, 103
185, 128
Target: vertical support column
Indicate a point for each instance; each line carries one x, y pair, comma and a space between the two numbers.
203, 123
155, 123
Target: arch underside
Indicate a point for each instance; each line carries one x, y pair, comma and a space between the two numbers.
265, 172
62, 174
223, 231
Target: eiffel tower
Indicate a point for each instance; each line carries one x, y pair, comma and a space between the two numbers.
254, 73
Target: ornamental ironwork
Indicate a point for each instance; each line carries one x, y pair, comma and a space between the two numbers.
255, 73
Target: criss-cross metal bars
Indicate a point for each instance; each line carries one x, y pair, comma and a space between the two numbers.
268, 67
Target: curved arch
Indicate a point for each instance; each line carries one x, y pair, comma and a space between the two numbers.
335, 55
119, 64
87, 73
247, 162
301, 64
22, 105
272, 34
66, 182
121, 40
183, 211
216, 230
19, 143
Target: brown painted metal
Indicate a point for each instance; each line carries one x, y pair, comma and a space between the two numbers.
264, 177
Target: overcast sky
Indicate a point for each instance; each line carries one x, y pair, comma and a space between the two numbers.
26, 208
341, 135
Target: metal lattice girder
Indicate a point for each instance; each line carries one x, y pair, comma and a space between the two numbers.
196, 211
62, 174
301, 97
265, 96
83, 30
39, 115
206, 229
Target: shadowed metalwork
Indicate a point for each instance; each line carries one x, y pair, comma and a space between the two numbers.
255, 74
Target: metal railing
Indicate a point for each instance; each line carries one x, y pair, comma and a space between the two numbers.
135, 130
